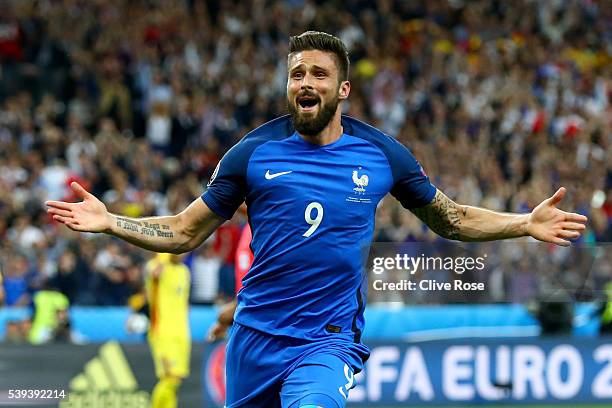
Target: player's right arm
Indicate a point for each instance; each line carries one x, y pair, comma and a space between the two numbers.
178, 233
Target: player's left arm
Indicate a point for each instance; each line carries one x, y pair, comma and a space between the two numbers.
466, 223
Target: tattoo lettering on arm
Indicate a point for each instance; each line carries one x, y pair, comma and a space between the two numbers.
129, 225
145, 228
442, 215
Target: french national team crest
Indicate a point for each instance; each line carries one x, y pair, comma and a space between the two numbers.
360, 180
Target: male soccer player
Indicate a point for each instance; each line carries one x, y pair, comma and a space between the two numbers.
167, 289
311, 181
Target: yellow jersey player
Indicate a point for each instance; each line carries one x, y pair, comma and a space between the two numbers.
167, 289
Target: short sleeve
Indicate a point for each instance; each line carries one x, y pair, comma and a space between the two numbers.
411, 186
227, 187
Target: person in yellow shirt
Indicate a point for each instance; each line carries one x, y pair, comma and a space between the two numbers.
50, 321
167, 289
605, 327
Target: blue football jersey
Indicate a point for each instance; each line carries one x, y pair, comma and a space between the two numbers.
311, 209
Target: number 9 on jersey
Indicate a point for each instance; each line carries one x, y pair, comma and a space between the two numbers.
313, 222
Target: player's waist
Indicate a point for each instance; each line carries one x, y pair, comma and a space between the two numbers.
310, 325
314, 333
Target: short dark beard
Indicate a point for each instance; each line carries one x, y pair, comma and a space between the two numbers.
314, 126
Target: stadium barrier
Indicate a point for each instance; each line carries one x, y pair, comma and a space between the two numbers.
410, 323
475, 372
419, 356
97, 375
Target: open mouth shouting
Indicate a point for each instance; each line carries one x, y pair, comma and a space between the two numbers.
308, 102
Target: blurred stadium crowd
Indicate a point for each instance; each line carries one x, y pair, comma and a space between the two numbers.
502, 102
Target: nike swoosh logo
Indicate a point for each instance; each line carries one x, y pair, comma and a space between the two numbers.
270, 176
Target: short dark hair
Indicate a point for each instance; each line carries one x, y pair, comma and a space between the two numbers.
318, 40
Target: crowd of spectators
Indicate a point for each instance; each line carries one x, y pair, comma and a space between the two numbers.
502, 103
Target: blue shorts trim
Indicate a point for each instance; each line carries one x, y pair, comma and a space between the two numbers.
316, 400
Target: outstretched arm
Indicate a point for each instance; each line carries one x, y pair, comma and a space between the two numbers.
178, 233
465, 223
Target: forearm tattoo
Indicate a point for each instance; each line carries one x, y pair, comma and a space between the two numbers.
442, 215
145, 228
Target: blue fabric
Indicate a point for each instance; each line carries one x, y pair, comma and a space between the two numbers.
227, 188
272, 371
311, 210
320, 380
411, 186
14, 288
